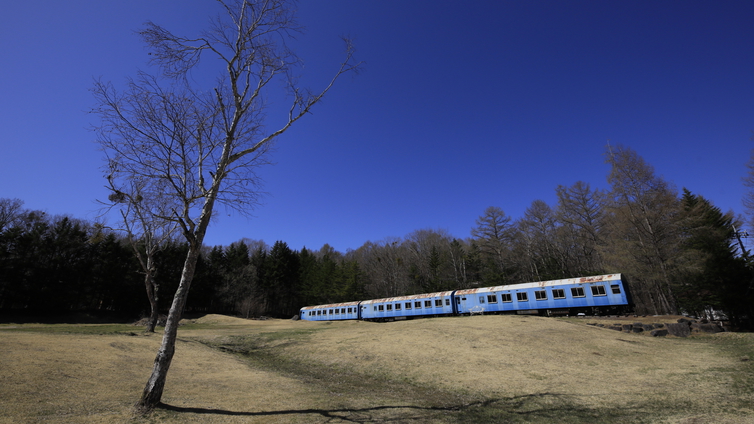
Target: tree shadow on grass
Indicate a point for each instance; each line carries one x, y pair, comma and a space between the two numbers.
541, 407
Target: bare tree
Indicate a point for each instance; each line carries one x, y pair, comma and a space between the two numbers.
581, 212
147, 229
198, 148
644, 233
10, 212
385, 266
748, 181
539, 255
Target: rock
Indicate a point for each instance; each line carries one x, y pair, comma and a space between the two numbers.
648, 327
710, 328
659, 333
656, 325
627, 327
637, 329
679, 330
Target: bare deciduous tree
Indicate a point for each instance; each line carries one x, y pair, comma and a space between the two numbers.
748, 181
643, 225
581, 211
147, 229
10, 212
198, 148
385, 266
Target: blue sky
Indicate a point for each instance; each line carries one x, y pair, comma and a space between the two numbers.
461, 106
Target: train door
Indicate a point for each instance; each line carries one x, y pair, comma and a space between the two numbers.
453, 304
461, 304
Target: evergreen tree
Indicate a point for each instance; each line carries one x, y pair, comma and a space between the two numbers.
714, 278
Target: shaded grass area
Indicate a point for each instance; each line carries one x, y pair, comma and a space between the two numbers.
535, 408
94, 329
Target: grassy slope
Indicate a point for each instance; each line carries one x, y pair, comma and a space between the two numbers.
467, 369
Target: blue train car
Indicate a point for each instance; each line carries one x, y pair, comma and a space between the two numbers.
403, 307
602, 293
331, 312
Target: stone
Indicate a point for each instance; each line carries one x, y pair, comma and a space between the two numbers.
679, 330
711, 328
659, 333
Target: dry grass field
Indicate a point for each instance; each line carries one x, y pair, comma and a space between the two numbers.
517, 369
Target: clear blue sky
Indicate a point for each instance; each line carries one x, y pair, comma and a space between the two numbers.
461, 105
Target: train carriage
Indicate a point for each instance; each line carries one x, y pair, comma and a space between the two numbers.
331, 312
591, 295
603, 293
403, 307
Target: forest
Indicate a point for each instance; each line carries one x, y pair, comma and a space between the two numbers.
678, 252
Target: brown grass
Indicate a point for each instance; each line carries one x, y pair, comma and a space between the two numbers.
464, 369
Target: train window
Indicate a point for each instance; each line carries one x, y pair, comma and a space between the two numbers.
408, 305
481, 299
331, 311
598, 291
506, 297
558, 294
418, 305
389, 306
319, 312
375, 308
458, 300
615, 288
427, 303
577, 292
337, 312
397, 306
343, 311
447, 302
491, 298
522, 297
540, 294
438, 303
381, 307
349, 310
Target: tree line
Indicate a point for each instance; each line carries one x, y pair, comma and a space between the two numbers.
678, 252
52, 265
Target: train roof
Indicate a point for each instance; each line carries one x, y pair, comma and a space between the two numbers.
331, 305
411, 297
542, 284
